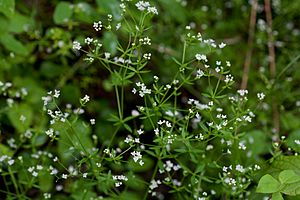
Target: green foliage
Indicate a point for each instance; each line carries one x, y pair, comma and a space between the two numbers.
289, 184
112, 99
63, 13
7, 7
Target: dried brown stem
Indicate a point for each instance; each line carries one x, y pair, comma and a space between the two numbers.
272, 62
251, 33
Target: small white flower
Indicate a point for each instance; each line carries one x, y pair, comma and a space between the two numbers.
152, 10
261, 96
135, 113
97, 26
118, 26
85, 99
200, 57
47, 195
50, 132
242, 92
88, 40
11, 162
92, 121
147, 56
140, 131
200, 73
222, 45
22, 118
297, 142
142, 5
76, 45
107, 55
56, 93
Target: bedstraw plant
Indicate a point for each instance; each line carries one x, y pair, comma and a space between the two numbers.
185, 136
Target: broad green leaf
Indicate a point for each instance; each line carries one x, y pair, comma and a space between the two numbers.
63, 12
268, 184
288, 176
19, 23
287, 162
291, 189
277, 196
12, 44
7, 7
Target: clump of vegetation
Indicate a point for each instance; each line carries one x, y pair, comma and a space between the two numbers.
130, 100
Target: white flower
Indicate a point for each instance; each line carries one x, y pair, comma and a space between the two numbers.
152, 10
135, 113
107, 55
93, 121
50, 132
261, 96
141, 5
97, 26
136, 155
22, 118
84, 175
222, 45
88, 40
140, 131
118, 26
47, 195
56, 93
76, 45
200, 57
147, 56
242, 92
11, 161
85, 99
200, 73
297, 142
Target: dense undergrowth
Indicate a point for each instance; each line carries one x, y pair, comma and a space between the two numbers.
126, 99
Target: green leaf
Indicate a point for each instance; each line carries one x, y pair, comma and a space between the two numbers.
7, 7
288, 176
136, 167
15, 113
110, 42
291, 189
295, 135
62, 13
3, 25
19, 23
110, 6
5, 150
11, 44
277, 196
287, 162
268, 184
45, 181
